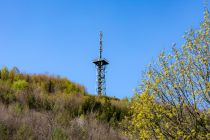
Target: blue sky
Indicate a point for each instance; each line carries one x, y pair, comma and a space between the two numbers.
61, 37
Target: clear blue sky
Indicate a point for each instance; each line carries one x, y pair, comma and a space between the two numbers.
61, 37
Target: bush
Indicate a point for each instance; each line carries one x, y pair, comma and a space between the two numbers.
24, 133
63, 118
6, 95
4, 132
16, 108
90, 105
20, 85
59, 134
53, 102
4, 73
173, 99
8, 98
13, 73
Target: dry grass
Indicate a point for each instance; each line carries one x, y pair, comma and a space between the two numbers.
42, 107
42, 126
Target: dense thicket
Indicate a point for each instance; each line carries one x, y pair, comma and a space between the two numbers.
173, 101
49, 107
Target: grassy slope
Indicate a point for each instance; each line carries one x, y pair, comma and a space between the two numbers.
48, 107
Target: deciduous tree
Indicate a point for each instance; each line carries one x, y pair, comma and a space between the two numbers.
173, 100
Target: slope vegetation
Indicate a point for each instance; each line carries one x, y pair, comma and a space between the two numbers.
49, 107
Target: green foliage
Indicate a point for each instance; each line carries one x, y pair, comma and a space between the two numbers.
173, 100
24, 133
4, 132
8, 98
90, 105
20, 85
4, 73
16, 108
63, 118
12, 73
6, 95
59, 95
106, 111
59, 134
32, 102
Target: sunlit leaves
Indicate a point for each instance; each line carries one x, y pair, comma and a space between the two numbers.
173, 99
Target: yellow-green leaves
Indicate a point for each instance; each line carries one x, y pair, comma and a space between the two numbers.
173, 100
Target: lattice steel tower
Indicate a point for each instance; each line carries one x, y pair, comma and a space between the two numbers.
101, 64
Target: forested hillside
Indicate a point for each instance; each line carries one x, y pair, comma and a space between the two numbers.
49, 107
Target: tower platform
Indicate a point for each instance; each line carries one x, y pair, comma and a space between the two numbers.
100, 61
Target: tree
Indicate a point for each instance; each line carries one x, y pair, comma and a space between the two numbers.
173, 100
13, 73
4, 73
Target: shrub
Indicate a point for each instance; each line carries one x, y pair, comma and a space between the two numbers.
13, 73
20, 85
4, 132
63, 118
90, 105
24, 133
16, 108
59, 134
54, 102
4, 73
173, 98
8, 98
6, 95
41, 102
